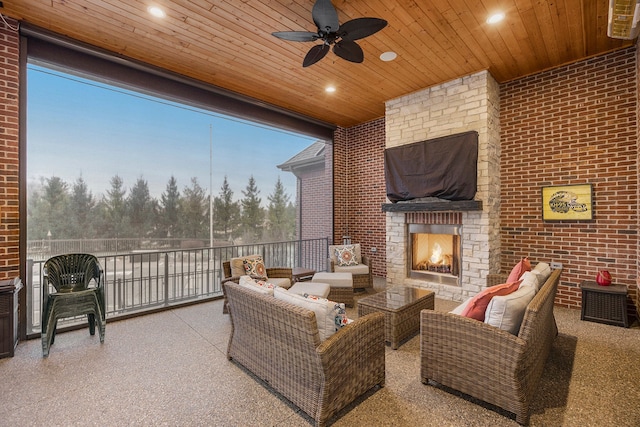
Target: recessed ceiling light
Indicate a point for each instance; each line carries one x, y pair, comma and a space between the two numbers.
156, 11
388, 56
330, 89
495, 18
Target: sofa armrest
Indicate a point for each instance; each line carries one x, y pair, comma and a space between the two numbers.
353, 360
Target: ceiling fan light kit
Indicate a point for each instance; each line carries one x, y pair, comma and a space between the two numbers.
623, 19
339, 38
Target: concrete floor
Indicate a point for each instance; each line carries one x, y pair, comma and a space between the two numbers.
170, 368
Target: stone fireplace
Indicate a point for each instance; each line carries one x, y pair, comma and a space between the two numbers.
467, 104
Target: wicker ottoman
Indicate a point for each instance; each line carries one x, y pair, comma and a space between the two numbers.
341, 286
311, 288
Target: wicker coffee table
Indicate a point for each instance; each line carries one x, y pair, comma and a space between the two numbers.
401, 306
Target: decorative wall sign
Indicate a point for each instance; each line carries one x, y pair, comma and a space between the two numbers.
567, 202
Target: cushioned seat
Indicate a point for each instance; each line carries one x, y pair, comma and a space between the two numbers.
341, 286
311, 288
349, 259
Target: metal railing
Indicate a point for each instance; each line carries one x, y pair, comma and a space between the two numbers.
145, 280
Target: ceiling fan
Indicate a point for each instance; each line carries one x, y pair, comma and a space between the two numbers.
341, 37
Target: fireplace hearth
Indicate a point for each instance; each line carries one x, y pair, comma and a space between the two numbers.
434, 253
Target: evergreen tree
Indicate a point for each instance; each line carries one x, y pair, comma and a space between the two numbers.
169, 209
194, 210
113, 210
140, 208
55, 208
252, 218
280, 224
226, 212
82, 206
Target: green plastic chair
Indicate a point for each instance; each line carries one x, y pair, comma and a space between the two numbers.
70, 275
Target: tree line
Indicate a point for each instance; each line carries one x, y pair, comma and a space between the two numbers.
59, 210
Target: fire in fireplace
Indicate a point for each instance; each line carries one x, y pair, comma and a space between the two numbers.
435, 253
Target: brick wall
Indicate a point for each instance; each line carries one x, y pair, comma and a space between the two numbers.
360, 189
572, 125
9, 163
314, 201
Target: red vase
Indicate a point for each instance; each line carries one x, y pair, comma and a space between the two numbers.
603, 278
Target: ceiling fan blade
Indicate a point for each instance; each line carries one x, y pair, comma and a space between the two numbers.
325, 16
360, 28
296, 36
315, 54
349, 50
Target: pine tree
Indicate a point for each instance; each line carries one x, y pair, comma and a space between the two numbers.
279, 222
226, 212
113, 209
55, 198
81, 216
194, 210
170, 208
252, 218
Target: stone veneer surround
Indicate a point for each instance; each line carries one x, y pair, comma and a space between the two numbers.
467, 104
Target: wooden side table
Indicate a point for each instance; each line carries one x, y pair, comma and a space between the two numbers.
604, 304
301, 274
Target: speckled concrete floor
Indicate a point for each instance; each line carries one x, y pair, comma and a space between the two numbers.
170, 368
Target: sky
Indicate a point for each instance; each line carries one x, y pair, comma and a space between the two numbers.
80, 128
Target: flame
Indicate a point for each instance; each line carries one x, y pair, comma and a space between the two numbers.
436, 254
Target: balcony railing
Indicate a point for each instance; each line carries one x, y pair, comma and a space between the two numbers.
142, 280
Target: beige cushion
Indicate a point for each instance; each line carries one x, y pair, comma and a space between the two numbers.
311, 288
353, 269
330, 316
283, 282
259, 286
337, 280
459, 309
543, 270
237, 264
357, 252
530, 278
507, 311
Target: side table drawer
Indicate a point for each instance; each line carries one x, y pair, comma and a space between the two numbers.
604, 304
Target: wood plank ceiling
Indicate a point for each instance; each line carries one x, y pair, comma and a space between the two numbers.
228, 43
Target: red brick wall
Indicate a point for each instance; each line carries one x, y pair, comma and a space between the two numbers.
9, 164
314, 201
572, 125
361, 193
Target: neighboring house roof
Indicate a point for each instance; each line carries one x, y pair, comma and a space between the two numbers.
313, 155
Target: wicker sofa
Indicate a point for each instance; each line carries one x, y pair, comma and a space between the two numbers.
486, 362
279, 343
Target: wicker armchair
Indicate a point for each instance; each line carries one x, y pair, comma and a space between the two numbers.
70, 276
486, 362
271, 273
362, 273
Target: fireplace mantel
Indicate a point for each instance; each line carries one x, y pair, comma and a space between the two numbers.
433, 206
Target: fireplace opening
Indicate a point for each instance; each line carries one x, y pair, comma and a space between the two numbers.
434, 253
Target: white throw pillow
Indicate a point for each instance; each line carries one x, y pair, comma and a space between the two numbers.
256, 285
530, 278
507, 311
459, 309
327, 312
544, 271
